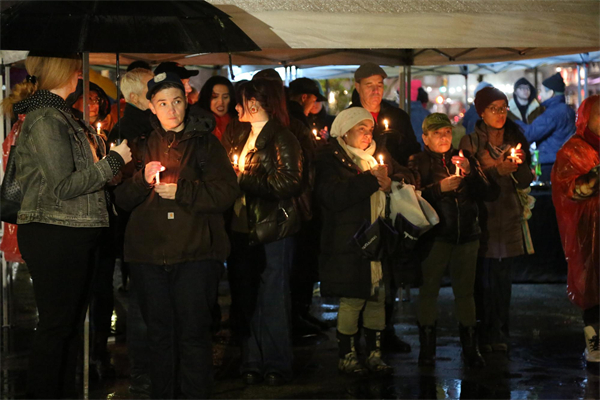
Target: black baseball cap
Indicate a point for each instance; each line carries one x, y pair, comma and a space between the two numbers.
160, 80
306, 86
170, 66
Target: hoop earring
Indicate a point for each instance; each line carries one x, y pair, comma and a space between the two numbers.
253, 109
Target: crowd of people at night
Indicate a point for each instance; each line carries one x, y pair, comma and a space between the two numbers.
255, 179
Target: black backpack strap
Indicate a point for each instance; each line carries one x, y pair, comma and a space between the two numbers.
142, 145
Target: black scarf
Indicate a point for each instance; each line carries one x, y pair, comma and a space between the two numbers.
41, 99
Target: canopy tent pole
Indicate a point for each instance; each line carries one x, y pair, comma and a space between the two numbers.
465, 72
407, 98
579, 96
585, 81
86, 324
401, 88
118, 76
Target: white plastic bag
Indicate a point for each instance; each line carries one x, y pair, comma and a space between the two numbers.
407, 201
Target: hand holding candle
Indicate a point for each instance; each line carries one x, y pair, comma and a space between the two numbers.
380, 159
99, 128
152, 170
314, 131
516, 154
386, 124
462, 164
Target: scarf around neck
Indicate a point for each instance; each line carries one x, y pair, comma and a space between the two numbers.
365, 161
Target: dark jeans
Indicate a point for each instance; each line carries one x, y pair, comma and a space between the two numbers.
493, 290
176, 303
137, 335
259, 279
61, 262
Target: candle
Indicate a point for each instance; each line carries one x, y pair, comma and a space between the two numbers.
157, 177
316, 134
386, 124
457, 172
98, 129
380, 159
112, 145
235, 159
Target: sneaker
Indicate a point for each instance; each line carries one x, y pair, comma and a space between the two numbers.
351, 366
592, 351
376, 365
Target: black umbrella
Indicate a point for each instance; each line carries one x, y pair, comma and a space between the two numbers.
115, 26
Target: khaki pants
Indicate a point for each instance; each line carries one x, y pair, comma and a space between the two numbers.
373, 313
461, 259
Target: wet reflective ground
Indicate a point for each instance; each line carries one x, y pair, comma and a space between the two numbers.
545, 360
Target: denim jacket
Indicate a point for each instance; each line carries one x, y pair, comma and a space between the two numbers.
60, 180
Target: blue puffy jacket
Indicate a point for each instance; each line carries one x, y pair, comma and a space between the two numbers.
470, 119
417, 115
551, 129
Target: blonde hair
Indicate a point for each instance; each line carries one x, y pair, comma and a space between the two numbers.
134, 81
50, 73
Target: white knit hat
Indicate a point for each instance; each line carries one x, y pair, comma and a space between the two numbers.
347, 119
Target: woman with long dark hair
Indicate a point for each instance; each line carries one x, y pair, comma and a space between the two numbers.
218, 97
268, 161
62, 169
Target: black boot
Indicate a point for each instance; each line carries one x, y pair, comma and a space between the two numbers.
348, 362
374, 362
471, 353
427, 339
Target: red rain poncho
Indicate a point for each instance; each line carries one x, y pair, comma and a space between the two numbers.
578, 218
9, 244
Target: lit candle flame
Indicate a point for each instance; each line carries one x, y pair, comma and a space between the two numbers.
98, 128
457, 172
386, 124
380, 159
235, 159
314, 131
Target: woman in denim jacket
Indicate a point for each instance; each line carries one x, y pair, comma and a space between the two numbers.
62, 170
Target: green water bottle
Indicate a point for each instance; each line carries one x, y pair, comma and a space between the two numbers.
538, 166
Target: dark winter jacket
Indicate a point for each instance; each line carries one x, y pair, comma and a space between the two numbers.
501, 219
343, 192
551, 129
457, 209
191, 227
271, 180
400, 138
133, 124
528, 112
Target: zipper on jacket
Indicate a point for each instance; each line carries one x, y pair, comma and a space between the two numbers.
455, 201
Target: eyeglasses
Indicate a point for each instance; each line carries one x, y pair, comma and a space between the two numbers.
94, 100
499, 110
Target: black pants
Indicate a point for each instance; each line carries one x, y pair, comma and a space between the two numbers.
591, 316
61, 262
176, 302
493, 290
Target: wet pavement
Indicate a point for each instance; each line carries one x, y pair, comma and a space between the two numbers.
545, 360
